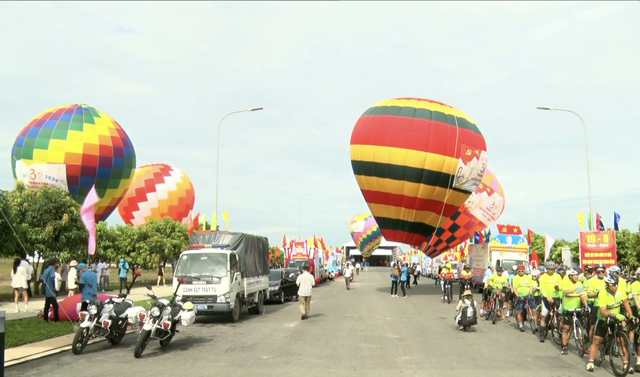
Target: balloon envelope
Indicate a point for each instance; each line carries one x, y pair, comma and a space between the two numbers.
69, 308
157, 191
75, 147
366, 233
479, 212
416, 161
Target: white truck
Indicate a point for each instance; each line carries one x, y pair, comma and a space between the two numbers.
223, 272
503, 250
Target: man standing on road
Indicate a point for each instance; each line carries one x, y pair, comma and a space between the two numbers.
124, 270
347, 276
48, 277
305, 283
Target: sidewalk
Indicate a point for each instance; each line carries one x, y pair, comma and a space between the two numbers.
37, 304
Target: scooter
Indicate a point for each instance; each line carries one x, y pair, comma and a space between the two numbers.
108, 319
161, 321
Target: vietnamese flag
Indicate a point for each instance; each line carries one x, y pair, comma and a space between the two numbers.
530, 234
534, 260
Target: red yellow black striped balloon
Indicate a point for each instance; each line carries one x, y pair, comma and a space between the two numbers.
416, 162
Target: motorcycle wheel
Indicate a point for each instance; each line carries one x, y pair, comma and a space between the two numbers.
117, 338
80, 340
141, 344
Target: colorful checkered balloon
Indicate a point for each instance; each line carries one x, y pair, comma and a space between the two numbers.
157, 191
481, 210
365, 233
84, 142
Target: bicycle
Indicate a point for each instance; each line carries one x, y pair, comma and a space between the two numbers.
616, 344
528, 312
497, 306
576, 332
447, 294
554, 323
488, 306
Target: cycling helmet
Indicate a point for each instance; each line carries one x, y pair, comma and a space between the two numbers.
535, 272
465, 266
614, 270
499, 269
551, 265
599, 265
520, 267
449, 265
588, 268
572, 271
611, 279
561, 270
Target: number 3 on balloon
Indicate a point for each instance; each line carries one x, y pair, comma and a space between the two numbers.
32, 174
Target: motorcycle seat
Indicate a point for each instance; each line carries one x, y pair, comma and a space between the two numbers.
121, 307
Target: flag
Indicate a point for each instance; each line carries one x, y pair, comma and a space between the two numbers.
270, 255
476, 238
502, 229
599, 223
225, 216
481, 238
315, 242
88, 216
277, 253
616, 221
214, 222
284, 241
581, 219
509, 229
324, 246
530, 234
534, 260
548, 243
193, 223
488, 237
204, 221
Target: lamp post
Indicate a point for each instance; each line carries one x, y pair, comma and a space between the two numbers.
218, 150
586, 144
299, 203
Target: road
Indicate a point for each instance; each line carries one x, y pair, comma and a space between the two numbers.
361, 332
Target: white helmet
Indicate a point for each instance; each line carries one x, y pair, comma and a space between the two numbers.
614, 270
535, 272
514, 267
572, 271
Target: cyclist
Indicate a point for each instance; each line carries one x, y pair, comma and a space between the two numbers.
499, 281
551, 293
523, 285
446, 276
574, 295
594, 286
622, 283
633, 291
465, 278
610, 300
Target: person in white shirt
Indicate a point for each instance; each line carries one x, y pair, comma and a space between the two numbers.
28, 268
347, 276
19, 284
305, 282
350, 266
72, 278
97, 268
416, 273
358, 268
105, 275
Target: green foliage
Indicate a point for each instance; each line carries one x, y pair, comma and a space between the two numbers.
280, 260
10, 245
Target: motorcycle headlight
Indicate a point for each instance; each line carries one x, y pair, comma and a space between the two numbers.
93, 310
155, 311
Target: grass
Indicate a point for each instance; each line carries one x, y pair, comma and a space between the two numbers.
6, 292
30, 330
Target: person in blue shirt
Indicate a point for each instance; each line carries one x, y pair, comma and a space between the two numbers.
394, 279
124, 271
404, 278
88, 283
48, 277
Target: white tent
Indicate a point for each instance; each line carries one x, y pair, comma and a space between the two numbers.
386, 248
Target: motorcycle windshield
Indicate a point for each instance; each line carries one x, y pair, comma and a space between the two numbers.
202, 264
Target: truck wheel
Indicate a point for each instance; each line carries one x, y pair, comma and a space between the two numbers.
234, 314
260, 305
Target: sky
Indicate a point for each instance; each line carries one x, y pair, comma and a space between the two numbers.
168, 73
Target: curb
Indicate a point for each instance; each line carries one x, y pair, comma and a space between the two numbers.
51, 351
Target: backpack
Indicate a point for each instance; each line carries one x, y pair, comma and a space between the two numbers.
469, 315
396, 271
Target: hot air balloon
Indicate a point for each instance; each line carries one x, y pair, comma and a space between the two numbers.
416, 162
158, 190
75, 147
479, 212
366, 233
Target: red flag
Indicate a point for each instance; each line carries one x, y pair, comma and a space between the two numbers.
284, 242
277, 253
270, 255
516, 230
324, 246
530, 234
194, 223
315, 242
534, 260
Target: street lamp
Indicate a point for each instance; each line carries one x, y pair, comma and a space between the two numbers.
299, 203
586, 144
218, 150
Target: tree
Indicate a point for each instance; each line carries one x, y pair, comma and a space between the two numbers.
107, 242
628, 245
9, 241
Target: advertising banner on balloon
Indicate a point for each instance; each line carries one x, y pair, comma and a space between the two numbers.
598, 247
486, 205
471, 167
37, 175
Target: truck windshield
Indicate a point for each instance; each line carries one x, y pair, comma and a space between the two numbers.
202, 264
298, 264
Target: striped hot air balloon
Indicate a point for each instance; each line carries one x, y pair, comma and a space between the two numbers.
480, 211
366, 233
416, 162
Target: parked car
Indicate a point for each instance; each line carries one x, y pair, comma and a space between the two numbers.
282, 284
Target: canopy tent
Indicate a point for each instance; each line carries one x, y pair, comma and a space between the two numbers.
386, 248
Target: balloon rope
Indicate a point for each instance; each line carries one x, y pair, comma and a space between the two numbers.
26, 253
451, 174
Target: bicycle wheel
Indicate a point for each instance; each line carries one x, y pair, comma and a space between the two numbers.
556, 329
577, 337
488, 305
532, 324
496, 308
619, 348
449, 294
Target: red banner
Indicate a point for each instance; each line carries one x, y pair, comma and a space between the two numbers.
598, 247
509, 229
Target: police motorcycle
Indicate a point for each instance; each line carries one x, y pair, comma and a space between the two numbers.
161, 321
108, 319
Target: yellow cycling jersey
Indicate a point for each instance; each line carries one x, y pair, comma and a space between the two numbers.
548, 283
498, 281
633, 290
595, 286
523, 284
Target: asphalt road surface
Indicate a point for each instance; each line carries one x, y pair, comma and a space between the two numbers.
360, 332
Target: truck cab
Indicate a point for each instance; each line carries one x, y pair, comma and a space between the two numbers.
215, 283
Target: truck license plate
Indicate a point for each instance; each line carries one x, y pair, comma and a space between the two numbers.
201, 307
